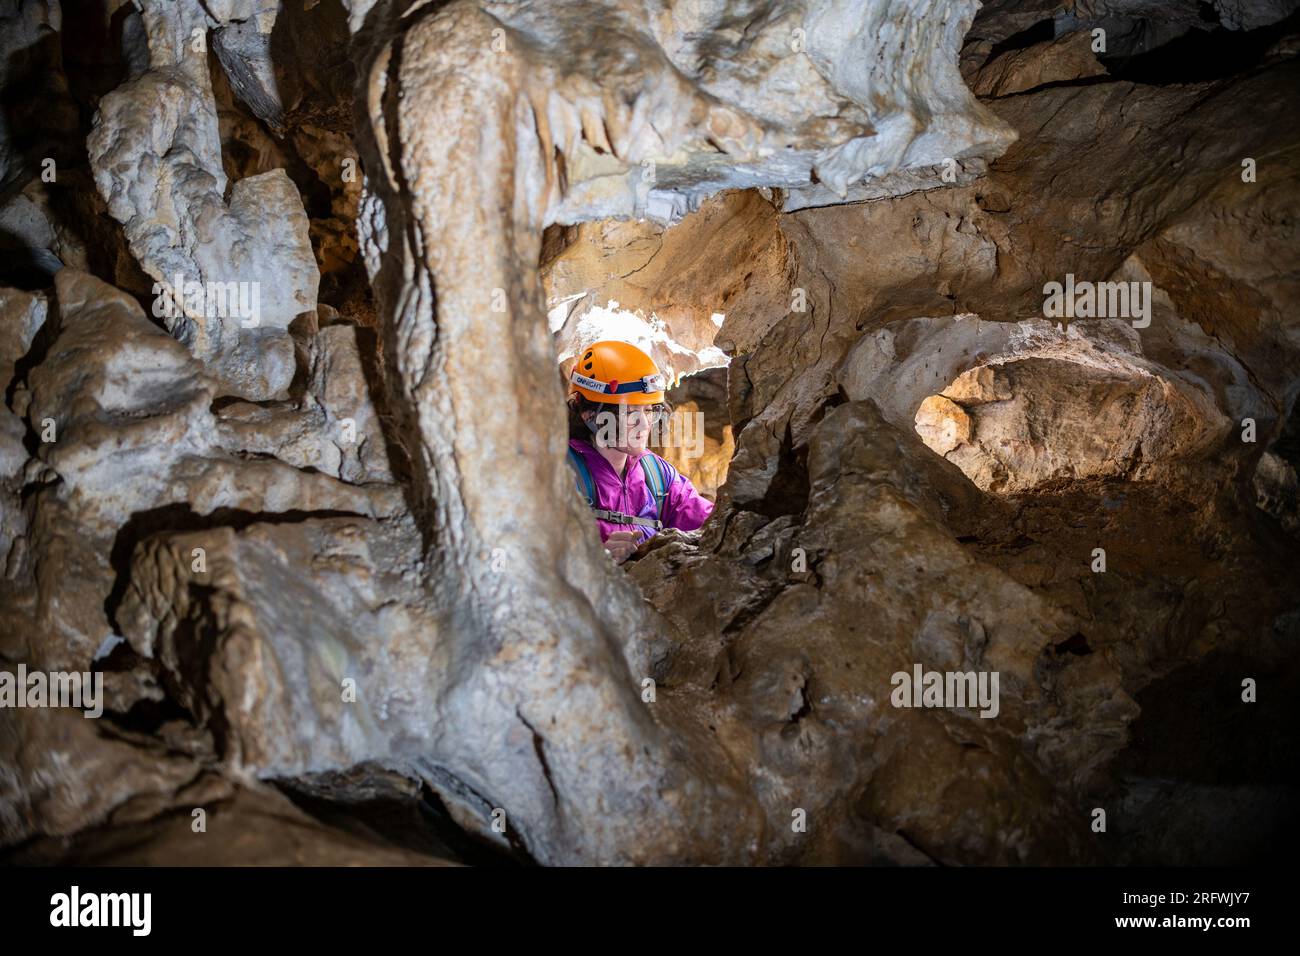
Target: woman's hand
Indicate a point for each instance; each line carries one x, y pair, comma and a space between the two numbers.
621, 544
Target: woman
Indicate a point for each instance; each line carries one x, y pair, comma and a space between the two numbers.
616, 395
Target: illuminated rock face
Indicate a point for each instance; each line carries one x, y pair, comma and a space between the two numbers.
672, 290
347, 558
508, 122
156, 156
647, 110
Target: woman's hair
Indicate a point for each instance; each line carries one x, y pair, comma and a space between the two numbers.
579, 403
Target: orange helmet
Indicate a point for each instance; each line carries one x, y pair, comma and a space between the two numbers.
617, 373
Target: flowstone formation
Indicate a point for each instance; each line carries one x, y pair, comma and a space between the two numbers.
327, 558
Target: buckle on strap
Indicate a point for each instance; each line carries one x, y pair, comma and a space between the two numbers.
618, 517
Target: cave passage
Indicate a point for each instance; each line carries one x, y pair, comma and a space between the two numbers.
981, 326
660, 289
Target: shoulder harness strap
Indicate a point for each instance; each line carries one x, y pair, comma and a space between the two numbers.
656, 479
586, 486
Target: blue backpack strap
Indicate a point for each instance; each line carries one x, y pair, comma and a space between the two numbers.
657, 480
584, 483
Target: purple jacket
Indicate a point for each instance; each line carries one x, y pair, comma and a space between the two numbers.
684, 509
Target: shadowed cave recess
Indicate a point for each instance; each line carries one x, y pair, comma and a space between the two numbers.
319, 541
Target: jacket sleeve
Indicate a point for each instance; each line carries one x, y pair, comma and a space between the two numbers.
687, 508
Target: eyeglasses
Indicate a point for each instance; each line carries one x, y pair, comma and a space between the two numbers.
650, 412
630, 413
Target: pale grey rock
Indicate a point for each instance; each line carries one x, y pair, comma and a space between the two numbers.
22, 314
706, 97
135, 435
731, 96
137, 447
156, 154
1252, 14
1056, 402
1277, 490
313, 625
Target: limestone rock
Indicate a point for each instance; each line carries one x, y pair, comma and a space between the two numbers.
978, 385
715, 116
134, 448
60, 774
133, 442
248, 826
606, 118
1069, 57
287, 573
694, 452
943, 424
320, 598
1277, 490
22, 315
659, 289
43, 119
156, 153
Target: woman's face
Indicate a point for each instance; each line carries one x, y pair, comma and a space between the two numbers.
625, 428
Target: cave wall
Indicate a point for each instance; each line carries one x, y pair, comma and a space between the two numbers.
371, 473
